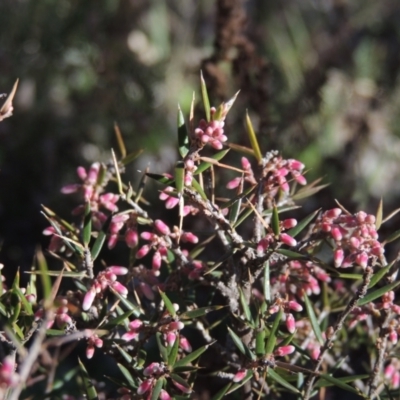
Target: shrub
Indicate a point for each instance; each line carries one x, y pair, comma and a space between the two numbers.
253, 303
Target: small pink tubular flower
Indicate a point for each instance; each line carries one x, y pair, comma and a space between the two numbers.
134, 330
211, 132
164, 395
8, 377
284, 351
184, 344
290, 323
239, 375
105, 279
182, 388
287, 239
93, 341
153, 369
392, 373
145, 386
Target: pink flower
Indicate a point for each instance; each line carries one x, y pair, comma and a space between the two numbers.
290, 323
284, 350
288, 240
239, 375
145, 386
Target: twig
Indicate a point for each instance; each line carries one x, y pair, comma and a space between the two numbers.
337, 327
381, 345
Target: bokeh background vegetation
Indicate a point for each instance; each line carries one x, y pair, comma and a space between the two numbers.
320, 80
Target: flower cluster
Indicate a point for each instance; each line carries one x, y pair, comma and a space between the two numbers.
129, 221
271, 238
263, 363
92, 190
160, 241
172, 201
275, 174
362, 313
392, 373
93, 341
287, 306
301, 276
211, 132
105, 279
153, 372
355, 237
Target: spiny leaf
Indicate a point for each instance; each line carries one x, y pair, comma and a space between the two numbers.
377, 293
192, 356
313, 319
168, 304
87, 225
120, 140
245, 306
271, 341
253, 139
173, 352
204, 95
89, 386
117, 174
98, 244
275, 221
166, 180
161, 347
183, 139
239, 344
196, 186
127, 375
277, 378
131, 156
157, 389
199, 312
379, 215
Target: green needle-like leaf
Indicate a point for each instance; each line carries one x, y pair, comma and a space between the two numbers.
313, 319
302, 224
168, 304
269, 347
204, 95
192, 356
90, 389
87, 225
253, 139
377, 293
183, 139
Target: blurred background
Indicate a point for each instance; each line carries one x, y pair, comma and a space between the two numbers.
320, 79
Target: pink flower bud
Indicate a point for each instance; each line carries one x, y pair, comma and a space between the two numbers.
362, 260
152, 369
284, 350
171, 202
145, 386
338, 257
239, 375
131, 335
148, 235
131, 238
143, 251
112, 241
289, 223
184, 344
135, 324
156, 263
333, 213
295, 164
147, 291
336, 233
234, 183
88, 299
70, 188
117, 270
93, 173
245, 164
290, 323
162, 227
295, 306
287, 239
81, 172
89, 352
171, 337
120, 288
164, 395
393, 337
182, 388
189, 237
